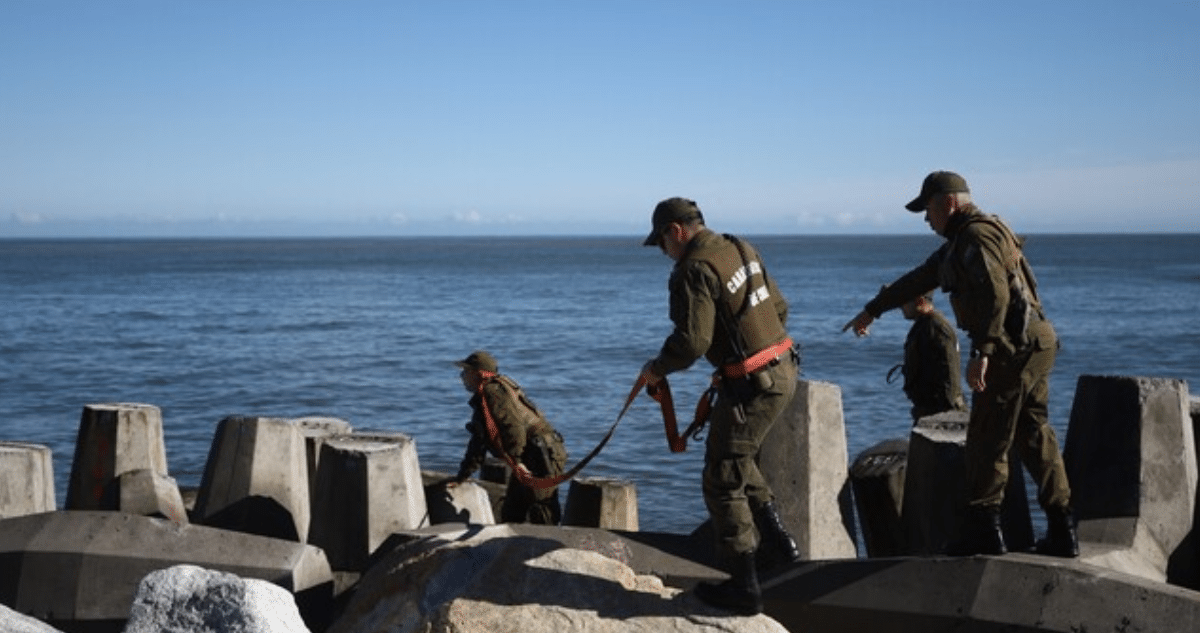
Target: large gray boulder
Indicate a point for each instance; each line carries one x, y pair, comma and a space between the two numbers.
190, 599
13, 622
491, 580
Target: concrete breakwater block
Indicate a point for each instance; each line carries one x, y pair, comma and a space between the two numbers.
1131, 459
315, 430
80, 569
147, 493
435, 481
878, 479
981, 594
467, 502
602, 503
935, 493
368, 486
256, 479
805, 460
26, 479
113, 439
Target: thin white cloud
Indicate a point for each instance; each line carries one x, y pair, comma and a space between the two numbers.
27, 218
468, 217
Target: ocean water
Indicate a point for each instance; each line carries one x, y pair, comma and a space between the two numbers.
366, 330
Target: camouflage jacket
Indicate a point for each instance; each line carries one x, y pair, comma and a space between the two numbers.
991, 286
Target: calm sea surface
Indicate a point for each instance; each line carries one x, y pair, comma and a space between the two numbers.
366, 329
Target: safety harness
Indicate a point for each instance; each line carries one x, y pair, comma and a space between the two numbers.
661, 392
523, 475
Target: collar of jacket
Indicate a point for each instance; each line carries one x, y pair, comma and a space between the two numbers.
960, 219
704, 238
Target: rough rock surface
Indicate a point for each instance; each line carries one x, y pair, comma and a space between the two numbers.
14, 622
524, 584
190, 599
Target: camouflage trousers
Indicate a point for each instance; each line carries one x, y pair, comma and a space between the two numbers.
1012, 413
732, 483
545, 456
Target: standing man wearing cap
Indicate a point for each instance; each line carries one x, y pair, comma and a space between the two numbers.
726, 308
995, 300
523, 433
931, 361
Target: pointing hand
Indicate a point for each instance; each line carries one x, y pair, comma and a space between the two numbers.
861, 324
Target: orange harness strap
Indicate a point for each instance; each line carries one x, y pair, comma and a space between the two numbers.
661, 393
758, 360
704, 405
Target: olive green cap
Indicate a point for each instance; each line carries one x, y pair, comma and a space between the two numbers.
671, 210
479, 360
937, 183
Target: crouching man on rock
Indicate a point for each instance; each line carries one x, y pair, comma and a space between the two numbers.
509, 425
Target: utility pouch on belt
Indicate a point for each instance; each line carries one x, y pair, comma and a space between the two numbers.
552, 450
763, 380
739, 391
1018, 317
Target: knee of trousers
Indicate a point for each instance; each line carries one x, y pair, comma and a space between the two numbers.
727, 478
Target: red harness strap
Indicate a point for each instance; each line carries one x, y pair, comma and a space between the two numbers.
757, 361
662, 393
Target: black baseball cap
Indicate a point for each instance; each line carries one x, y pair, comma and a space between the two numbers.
936, 183
671, 210
479, 360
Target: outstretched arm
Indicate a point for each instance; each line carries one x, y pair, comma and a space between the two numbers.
861, 323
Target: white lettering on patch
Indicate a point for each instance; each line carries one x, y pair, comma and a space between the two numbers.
759, 296
741, 275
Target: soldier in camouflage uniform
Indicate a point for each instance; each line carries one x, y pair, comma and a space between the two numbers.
726, 308
995, 301
931, 361
523, 433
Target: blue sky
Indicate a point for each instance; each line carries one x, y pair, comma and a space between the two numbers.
572, 117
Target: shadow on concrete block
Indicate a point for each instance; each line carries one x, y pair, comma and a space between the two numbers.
467, 503
251, 458
1019, 593
113, 439
1131, 459
603, 503
935, 493
258, 515
878, 475
80, 570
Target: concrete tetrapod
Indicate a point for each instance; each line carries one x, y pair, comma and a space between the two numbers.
78, 568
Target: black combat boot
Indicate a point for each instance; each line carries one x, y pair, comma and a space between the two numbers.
1061, 539
775, 535
741, 593
980, 534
